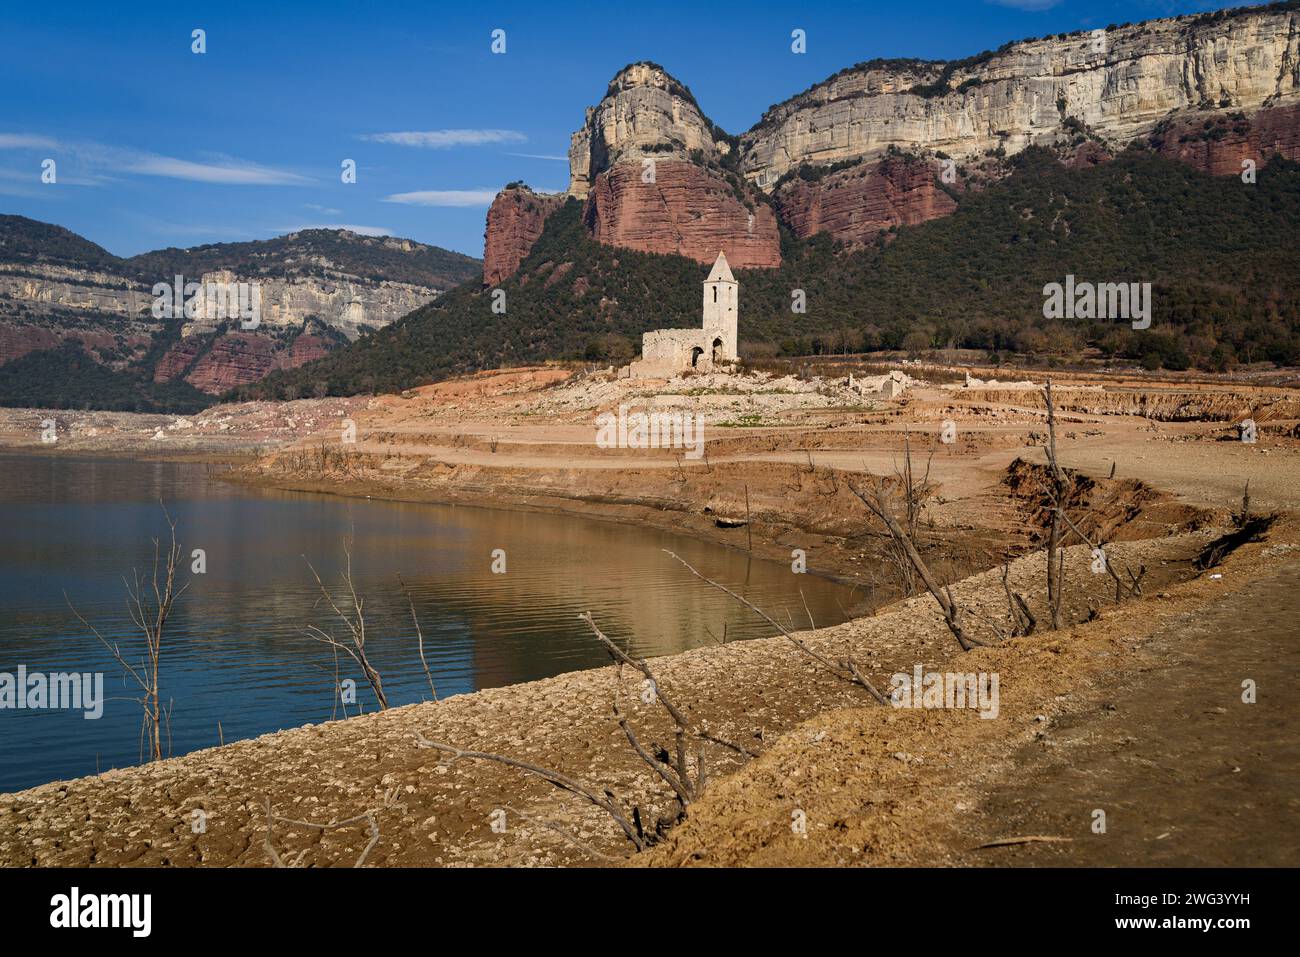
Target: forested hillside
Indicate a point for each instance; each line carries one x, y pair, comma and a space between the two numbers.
1220, 253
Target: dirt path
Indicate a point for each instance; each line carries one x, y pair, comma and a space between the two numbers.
1188, 774
1122, 714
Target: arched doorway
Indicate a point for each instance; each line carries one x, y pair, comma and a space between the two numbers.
695, 357
717, 351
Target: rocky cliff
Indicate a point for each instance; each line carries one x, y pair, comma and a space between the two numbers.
658, 176
1120, 83
855, 204
514, 222
686, 209
645, 114
1222, 142
654, 173
319, 288
232, 359
350, 305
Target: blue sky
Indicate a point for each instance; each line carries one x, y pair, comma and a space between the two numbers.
157, 146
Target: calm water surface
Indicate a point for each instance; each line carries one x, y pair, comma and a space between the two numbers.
236, 654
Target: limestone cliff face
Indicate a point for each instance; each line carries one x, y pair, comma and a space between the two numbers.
645, 114
514, 222
349, 305
75, 289
687, 209
650, 166
43, 305
1121, 83
855, 204
318, 289
658, 176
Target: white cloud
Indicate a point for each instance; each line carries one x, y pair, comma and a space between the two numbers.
323, 210
33, 176
541, 156
26, 141
445, 139
92, 156
228, 173
444, 197
1030, 5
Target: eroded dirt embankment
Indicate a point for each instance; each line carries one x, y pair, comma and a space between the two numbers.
881, 789
1207, 404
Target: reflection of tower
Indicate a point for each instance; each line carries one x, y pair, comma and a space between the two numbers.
721, 292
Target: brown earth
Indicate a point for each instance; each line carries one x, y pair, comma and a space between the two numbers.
875, 785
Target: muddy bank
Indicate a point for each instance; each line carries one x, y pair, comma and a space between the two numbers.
832, 528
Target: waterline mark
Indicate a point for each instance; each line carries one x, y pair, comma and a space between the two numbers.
937, 689
39, 691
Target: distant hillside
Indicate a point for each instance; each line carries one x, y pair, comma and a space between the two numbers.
63, 295
305, 253
67, 378
1220, 253
24, 240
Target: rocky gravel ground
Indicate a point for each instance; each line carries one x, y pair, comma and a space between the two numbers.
429, 811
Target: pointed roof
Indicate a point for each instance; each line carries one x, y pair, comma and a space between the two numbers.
721, 271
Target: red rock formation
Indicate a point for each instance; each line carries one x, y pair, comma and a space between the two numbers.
19, 339
304, 349
514, 222
854, 204
688, 210
1088, 154
1220, 148
177, 359
235, 359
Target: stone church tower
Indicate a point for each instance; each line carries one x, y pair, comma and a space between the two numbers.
721, 292
670, 352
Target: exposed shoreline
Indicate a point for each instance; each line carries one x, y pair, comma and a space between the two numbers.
1158, 487
758, 692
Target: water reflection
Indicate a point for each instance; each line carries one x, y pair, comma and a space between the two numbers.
237, 653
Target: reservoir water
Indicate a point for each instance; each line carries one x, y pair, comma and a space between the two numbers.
237, 660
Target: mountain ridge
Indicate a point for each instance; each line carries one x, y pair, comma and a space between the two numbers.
1093, 92
1221, 258
320, 288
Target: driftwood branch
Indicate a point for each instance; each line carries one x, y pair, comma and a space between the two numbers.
873, 498
841, 670
354, 621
